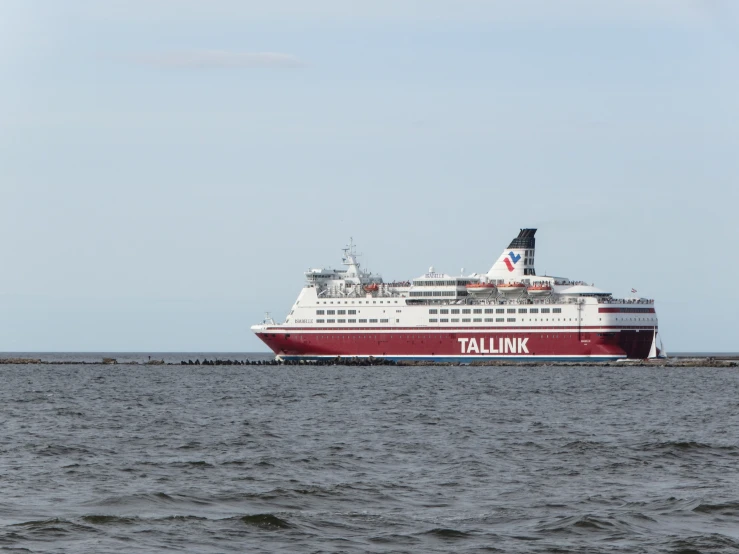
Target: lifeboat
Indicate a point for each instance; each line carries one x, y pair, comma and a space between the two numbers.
480, 289
539, 290
372, 287
511, 288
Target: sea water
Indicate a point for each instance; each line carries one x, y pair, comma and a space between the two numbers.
142, 458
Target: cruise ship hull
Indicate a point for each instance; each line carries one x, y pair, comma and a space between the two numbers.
460, 345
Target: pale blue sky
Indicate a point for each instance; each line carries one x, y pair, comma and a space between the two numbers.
169, 168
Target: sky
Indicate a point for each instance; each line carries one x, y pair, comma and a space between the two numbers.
170, 168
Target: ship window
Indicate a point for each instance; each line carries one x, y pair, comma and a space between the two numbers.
477, 320
477, 311
498, 320
522, 310
489, 311
499, 311
466, 311
341, 321
465, 320
545, 310
432, 320
330, 312
384, 321
455, 320
373, 321
330, 321
443, 311
351, 320
320, 321
511, 320
433, 311
362, 321
320, 312
455, 311
511, 310
444, 320
352, 312
534, 310
341, 312
489, 320
556, 310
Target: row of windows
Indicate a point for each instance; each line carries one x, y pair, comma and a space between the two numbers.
358, 302
455, 283
475, 320
497, 310
438, 293
467, 320
351, 321
336, 312
500, 319
445, 283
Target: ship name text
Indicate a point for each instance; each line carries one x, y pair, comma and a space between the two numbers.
491, 345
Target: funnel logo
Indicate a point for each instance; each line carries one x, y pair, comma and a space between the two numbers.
511, 258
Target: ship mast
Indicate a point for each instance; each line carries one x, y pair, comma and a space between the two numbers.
349, 259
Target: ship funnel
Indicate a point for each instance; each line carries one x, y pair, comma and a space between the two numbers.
517, 260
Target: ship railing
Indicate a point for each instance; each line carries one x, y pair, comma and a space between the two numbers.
497, 301
625, 301
357, 291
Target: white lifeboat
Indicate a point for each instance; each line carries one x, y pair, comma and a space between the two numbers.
480, 289
540, 289
511, 288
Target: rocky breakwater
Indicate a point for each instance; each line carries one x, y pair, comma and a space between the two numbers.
727, 362
19, 361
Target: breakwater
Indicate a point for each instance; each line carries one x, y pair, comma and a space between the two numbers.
708, 361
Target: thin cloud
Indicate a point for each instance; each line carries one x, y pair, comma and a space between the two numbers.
220, 59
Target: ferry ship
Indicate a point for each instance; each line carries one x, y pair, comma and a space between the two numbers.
509, 313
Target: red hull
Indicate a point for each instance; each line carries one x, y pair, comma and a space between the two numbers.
460, 345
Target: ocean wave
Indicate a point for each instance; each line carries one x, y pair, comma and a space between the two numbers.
269, 522
586, 524
686, 446
153, 499
709, 542
52, 528
724, 509
447, 533
664, 506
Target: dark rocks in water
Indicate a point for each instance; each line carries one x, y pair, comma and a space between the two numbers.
728, 361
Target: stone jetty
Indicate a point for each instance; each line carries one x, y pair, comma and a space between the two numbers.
712, 361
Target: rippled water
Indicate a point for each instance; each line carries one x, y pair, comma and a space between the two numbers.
335, 459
